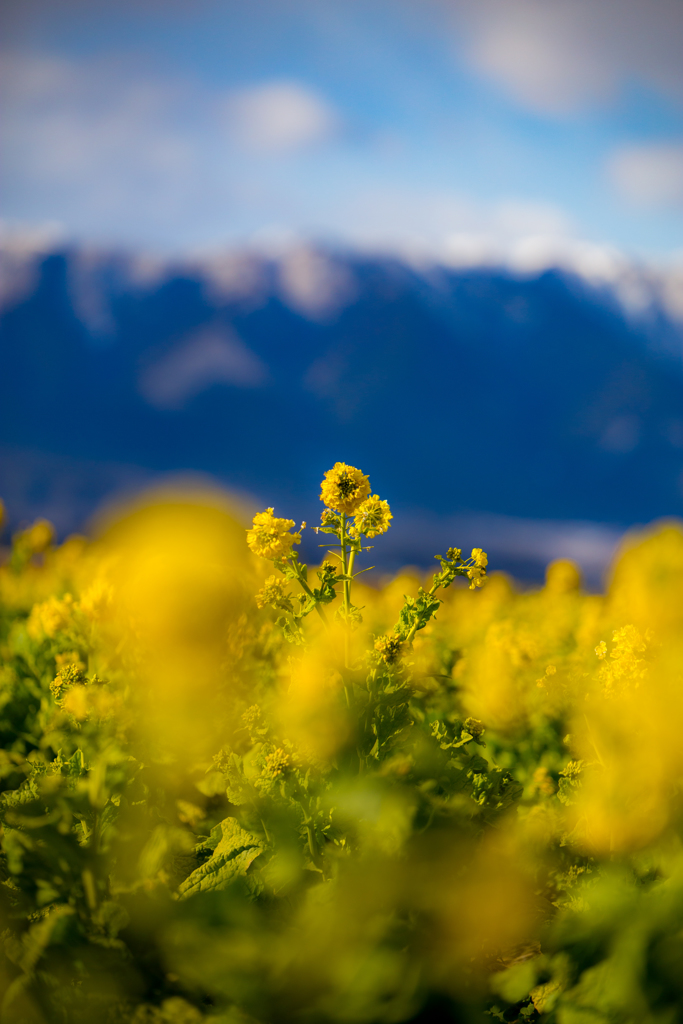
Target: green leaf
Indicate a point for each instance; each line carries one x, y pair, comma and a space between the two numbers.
234, 851
516, 982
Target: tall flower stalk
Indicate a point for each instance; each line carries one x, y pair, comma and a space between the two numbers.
351, 514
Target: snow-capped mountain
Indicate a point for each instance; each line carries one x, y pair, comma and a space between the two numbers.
528, 393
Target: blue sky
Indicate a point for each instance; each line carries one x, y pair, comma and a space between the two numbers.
460, 129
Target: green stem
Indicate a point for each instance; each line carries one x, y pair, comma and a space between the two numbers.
593, 743
347, 591
313, 848
413, 629
89, 889
345, 565
307, 590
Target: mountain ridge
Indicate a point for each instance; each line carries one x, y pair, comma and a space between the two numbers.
462, 391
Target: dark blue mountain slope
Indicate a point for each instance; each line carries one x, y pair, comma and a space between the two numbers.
459, 391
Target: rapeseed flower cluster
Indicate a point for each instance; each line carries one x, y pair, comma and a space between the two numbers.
389, 648
371, 518
273, 593
270, 537
344, 488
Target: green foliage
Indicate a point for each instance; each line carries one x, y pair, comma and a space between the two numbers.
350, 839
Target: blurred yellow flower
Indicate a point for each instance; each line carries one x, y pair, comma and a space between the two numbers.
179, 577
270, 538
38, 537
344, 488
625, 669
69, 658
310, 705
96, 599
272, 593
51, 617
562, 577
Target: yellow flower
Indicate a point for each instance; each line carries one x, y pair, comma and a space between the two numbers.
76, 702
51, 617
372, 517
270, 537
344, 488
476, 576
389, 647
277, 763
273, 593
70, 675
479, 558
37, 538
625, 669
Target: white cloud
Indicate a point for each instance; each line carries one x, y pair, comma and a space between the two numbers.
91, 138
110, 144
557, 56
208, 356
428, 224
119, 155
649, 175
279, 117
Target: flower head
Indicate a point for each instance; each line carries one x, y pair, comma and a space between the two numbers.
344, 488
371, 518
70, 675
389, 648
476, 576
270, 537
273, 593
479, 558
277, 763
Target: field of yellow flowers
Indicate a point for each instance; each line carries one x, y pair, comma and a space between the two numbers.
238, 789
